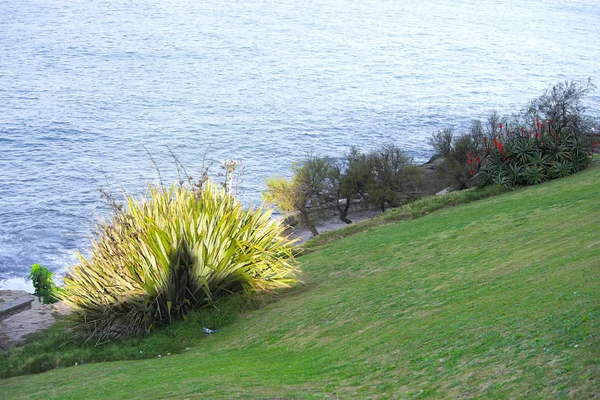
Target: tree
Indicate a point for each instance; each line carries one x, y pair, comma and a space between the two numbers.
388, 172
458, 152
350, 176
561, 106
306, 194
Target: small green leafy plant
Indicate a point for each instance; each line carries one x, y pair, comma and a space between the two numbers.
45, 289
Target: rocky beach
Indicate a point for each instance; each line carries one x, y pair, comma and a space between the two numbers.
15, 328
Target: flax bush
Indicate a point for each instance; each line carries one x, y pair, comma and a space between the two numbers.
174, 251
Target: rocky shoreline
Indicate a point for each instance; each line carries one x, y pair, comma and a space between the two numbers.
14, 329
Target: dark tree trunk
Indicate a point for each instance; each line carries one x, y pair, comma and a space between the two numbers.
313, 229
306, 221
344, 211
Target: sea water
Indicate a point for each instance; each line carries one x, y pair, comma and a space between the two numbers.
88, 89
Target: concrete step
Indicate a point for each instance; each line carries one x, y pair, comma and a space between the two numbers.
15, 306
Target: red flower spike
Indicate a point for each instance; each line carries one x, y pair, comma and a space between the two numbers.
500, 126
470, 161
478, 160
471, 172
595, 143
536, 135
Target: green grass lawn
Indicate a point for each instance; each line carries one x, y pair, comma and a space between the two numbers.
497, 298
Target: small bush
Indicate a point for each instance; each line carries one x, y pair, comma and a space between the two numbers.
456, 151
175, 251
551, 138
45, 289
392, 172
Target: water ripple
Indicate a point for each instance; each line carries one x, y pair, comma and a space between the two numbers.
84, 84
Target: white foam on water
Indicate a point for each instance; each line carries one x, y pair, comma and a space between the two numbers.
16, 284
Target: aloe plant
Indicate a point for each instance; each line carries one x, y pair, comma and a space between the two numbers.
172, 252
533, 157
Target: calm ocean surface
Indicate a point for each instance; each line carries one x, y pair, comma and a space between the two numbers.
84, 85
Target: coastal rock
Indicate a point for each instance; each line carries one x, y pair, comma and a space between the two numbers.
13, 302
444, 191
431, 183
14, 329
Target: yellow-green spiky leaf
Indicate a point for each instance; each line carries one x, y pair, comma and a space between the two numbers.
172, 252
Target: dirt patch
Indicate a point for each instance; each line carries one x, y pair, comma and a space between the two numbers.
303, 234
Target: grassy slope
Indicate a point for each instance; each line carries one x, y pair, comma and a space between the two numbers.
497, 298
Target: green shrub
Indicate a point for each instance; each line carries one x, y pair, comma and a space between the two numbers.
391, 173
456, 151
175, 251
551, 138
532, 158
45, 289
